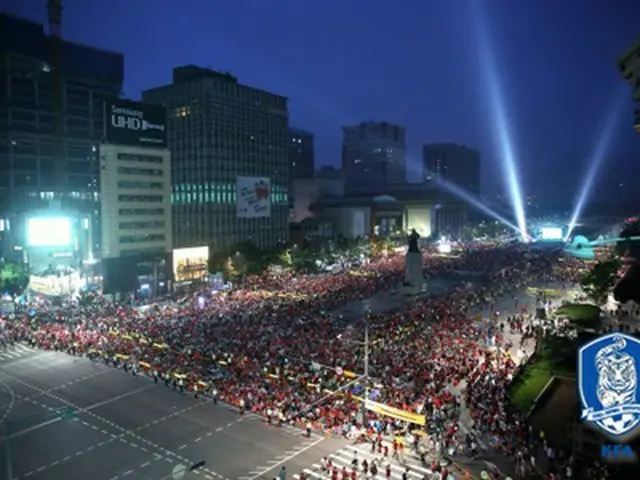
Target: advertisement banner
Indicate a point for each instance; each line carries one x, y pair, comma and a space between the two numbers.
190, 263
396, 413
253, 197
135, 123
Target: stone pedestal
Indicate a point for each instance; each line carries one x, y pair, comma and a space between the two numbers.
413, 278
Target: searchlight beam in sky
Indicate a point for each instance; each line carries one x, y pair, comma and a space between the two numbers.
595, 161
473, 201
503, 134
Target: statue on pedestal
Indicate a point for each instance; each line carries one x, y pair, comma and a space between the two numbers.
412, 239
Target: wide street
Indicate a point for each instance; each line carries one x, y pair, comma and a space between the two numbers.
69, 417
72, 418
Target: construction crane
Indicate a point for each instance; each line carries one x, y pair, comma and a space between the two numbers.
54, 11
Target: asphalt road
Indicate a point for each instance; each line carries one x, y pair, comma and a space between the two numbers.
68, 417
119, 426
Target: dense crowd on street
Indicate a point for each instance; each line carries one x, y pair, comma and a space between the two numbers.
276, 347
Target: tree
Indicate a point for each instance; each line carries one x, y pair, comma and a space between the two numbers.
626, 247
14, 278
598, 282
285, 259
628, 288
218, 260
229, 268
381, 247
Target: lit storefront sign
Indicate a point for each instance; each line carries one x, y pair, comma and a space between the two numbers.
190, 263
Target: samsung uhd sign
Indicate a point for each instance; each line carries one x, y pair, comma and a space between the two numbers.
135, 123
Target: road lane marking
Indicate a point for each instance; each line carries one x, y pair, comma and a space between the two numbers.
302, 450
34, 428
116, 398
124, 432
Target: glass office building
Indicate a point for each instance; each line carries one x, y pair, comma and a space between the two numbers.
219, 130
27, 147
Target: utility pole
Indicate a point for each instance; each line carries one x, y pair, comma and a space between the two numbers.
366, 372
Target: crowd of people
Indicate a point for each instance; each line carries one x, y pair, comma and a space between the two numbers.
275, 346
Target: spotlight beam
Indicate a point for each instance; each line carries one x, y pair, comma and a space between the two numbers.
473, 201
503, 135
595, 162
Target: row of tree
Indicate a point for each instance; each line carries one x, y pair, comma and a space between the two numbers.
603, 278
247, 259
14, 278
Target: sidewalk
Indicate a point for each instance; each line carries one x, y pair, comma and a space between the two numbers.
491, 458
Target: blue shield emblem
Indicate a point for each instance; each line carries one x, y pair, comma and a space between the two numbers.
608, 384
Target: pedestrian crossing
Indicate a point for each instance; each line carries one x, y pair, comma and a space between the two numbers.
14, 352
343, 458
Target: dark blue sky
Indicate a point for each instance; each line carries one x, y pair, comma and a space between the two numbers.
414, 62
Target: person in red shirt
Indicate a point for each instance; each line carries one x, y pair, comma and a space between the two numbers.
334, 473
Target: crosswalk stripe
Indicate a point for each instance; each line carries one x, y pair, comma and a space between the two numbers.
413, 464
18, 350
344, 456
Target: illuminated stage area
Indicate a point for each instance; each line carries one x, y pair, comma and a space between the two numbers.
550, 234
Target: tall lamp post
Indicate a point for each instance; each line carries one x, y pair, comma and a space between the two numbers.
366, 372
366, 346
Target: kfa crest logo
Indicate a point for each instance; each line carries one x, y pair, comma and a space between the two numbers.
608, 384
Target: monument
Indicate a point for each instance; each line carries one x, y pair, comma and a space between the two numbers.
413, 278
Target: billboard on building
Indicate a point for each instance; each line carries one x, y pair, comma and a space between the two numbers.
49, 232
135, 123
253, 197
190, 263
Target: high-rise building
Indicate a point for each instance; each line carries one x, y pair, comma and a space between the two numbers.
29, 147
374, 154
301, 153
456, 164
135, 196
230, 160
629, 66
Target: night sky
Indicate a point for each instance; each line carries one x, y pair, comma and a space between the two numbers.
415, 63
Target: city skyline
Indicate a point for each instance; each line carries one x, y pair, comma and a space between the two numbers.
574, 78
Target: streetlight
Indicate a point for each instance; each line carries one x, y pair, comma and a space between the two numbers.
366, 345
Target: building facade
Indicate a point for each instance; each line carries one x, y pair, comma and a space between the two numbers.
28, 146
452, 163
135, 199
222, 134
374, 154
301, 153
135, 193
629, 66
